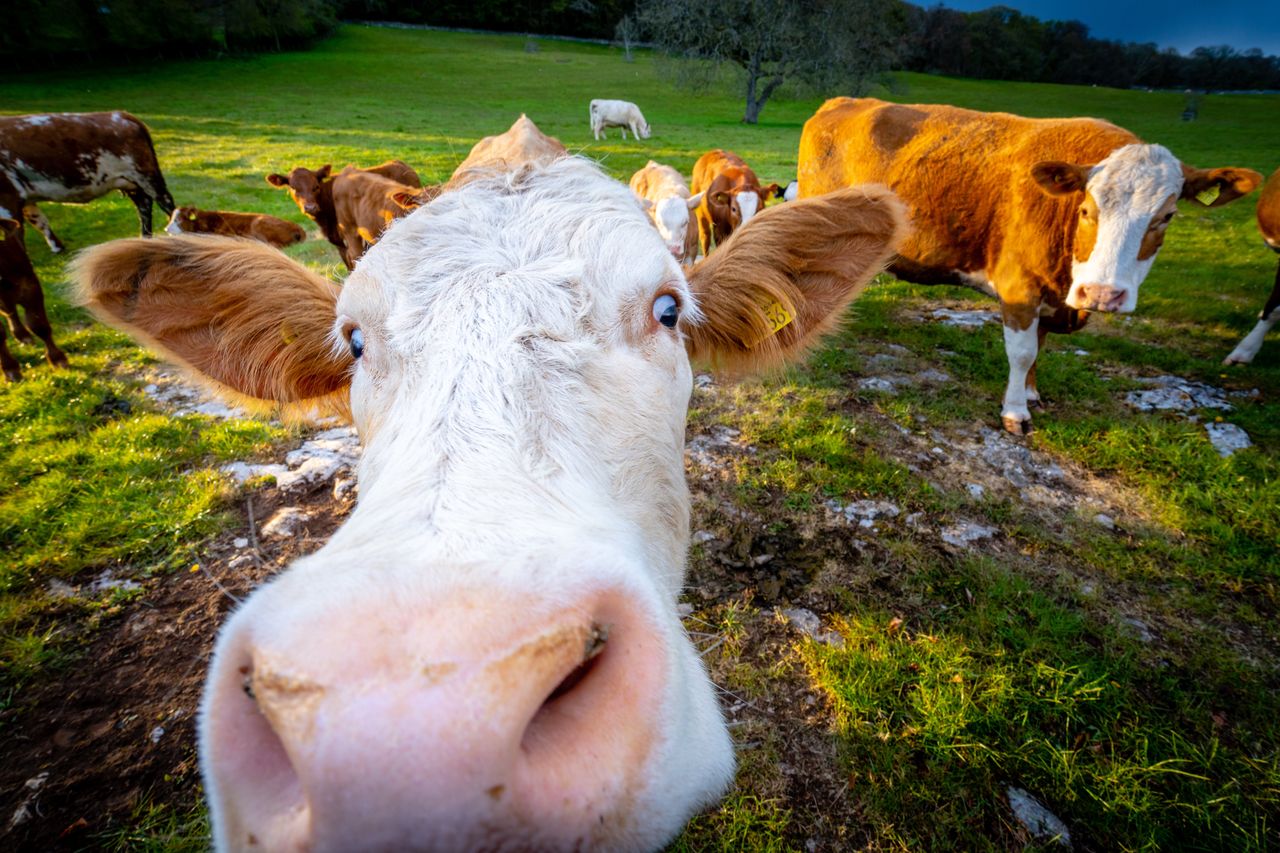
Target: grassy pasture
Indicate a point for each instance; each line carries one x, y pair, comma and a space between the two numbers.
961, 672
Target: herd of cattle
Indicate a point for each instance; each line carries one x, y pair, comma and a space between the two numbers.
488, 653
1056, 218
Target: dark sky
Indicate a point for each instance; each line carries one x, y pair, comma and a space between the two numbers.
1184, 24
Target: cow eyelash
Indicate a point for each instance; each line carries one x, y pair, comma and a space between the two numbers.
355, 341
666, 309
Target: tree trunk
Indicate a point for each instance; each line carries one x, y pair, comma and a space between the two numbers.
752, 113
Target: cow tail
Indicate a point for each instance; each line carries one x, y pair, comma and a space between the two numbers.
159, 191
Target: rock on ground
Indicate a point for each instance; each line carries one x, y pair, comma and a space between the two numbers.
1173, 393
1227, 438
285, 522
1043, 824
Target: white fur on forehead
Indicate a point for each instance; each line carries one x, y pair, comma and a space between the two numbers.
1136, 176
560, 244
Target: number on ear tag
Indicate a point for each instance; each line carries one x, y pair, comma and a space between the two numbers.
778, 318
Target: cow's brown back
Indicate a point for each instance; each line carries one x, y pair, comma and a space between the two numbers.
964, 175
398, 171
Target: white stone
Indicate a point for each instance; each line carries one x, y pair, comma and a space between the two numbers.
285, 522
703, 536
684, 610
1227, 438
240, 561
61, 589
965, 533
1104, 520
931, 375
807, 622
864, 513
975, 490
240, 542
1043, 824
156, 734
108, 582
877, 383
1173, 393
344, 488
965, 319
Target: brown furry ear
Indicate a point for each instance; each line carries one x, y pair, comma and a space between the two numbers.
1216, 187
783, 280
1058, 178
238, 313
277, 180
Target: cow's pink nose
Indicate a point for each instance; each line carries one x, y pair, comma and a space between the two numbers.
471, 726
1101, 297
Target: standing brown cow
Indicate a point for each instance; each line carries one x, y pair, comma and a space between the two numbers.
77, 157
1054, 217
732, 195
1269, 225
19, 286
320, 197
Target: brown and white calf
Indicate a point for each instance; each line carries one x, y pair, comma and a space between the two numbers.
253, 226
1054, 217
1269, 225
666, 197
19, 287
731, 195
77, 157
353, 207
487, 654
604, 112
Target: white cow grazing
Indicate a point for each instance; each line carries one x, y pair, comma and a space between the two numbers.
487, 654
665, 195
623, 114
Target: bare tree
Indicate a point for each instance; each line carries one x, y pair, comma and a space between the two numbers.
627, 32
837, 46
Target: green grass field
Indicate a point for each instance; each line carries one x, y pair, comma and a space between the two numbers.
960, 673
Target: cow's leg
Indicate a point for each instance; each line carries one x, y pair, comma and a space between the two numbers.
1248, 348
32, 300
623, 128
35, 216
1021, 346
8, 364
1033, 395
142, 200
9, 309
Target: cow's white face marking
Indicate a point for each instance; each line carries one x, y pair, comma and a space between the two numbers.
671, 215
748, 204
1132, 188
523, 412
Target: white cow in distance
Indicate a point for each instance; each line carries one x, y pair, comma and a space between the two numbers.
623, 114
664, 194
487, 654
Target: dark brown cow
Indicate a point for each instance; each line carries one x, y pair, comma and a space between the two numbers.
1269, 225
313, 191
1055, 217
254, 226
732, 195
20, 287
77, 157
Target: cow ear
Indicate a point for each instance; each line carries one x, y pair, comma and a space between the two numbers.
1216, 187
1058, 178
695, 200
238, 313
783, 279
323, 172
8, 227
772, 191
406, 199
277, 180
720, 198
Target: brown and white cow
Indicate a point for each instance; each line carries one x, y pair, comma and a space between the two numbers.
487, 654
254, 226
353, 207
1269, 225
1055, 217
19, 287
731, 195
666, 197
77, 157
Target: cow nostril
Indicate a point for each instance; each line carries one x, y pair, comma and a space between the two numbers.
571, 686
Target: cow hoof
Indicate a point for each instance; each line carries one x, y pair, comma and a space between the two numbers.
57, 359
22, 336
1037, 403
57, 250
1015, 425
1234, 359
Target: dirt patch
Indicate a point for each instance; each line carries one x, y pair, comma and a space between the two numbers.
117, 725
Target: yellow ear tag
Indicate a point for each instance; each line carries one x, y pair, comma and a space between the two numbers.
191, 216
778, 318
1210, 195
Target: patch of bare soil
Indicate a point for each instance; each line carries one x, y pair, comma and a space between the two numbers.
116, 727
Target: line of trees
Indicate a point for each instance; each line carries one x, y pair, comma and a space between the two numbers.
96, 30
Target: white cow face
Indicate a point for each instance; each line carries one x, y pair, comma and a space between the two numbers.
671, 216
1126, 204
487, 654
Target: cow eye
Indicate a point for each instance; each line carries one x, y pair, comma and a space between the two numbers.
356, 339
1084, 213
666, 310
